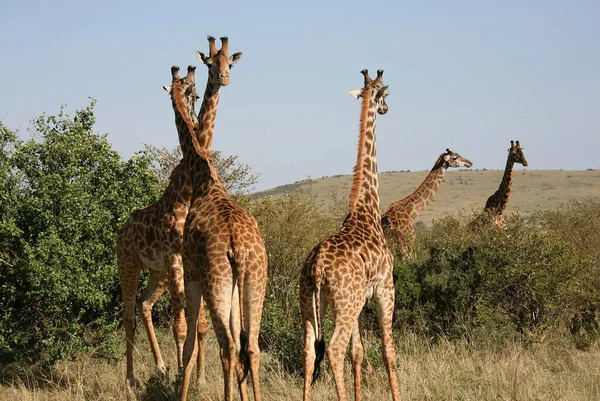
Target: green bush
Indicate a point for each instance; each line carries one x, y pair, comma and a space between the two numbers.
515, 282
68, 193
290, 225
579, 224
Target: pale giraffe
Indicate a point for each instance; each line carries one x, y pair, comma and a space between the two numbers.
152, 238
493, 212
225, 262
344, 270
398, 219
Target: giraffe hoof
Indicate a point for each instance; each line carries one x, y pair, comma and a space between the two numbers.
132, 383
132, 388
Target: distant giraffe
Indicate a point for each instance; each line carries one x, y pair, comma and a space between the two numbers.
495, 205
346, 269
225, 262
152, 237
398, 219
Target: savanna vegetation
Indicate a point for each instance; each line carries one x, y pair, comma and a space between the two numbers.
479, 315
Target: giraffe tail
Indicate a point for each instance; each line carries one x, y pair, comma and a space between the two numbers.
317, 270
238, 262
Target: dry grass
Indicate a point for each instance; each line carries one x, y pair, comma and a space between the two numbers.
443, 371
466, 190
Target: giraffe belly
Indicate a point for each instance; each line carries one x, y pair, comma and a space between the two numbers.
157, 262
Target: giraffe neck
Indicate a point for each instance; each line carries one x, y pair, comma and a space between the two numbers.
207, 115
186, 123
423, 195
364, 195
196, 159
501, 196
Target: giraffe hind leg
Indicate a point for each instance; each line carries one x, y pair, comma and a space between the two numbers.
384, 299
239, 361
177, 292
156, 287
357, 356
344, 319
129, 273
254, 294
202, 329
307, 307
194, 301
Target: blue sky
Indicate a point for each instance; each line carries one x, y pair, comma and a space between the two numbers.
468, 75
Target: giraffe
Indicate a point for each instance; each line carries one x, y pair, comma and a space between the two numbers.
344, 270
225, 262
397, 221
495, 205
152, 239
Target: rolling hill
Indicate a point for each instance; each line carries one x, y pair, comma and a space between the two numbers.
462, 190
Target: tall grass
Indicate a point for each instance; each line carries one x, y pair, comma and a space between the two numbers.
428, 370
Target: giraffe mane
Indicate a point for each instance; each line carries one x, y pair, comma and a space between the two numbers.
179, 99
436, 166
358, 168
438, 162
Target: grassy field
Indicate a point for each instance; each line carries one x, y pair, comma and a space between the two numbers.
443, 371
464, 190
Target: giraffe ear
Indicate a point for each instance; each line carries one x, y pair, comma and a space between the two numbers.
201, 57
355, 93
168, 88
235, 58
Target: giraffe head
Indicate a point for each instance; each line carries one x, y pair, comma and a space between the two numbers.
453, 159
515, 153
218, 61
184, 94
374, 89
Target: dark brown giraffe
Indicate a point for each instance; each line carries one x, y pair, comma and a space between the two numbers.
152, 237
346, 269
398, 219
495, 205
225, 262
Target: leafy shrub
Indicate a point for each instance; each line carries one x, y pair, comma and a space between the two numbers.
511, 282
290, 225
68, 194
